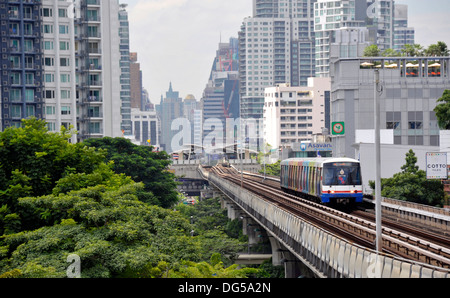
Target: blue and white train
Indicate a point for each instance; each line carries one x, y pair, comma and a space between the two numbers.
326, 180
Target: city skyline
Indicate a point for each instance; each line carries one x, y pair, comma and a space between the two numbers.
196, 26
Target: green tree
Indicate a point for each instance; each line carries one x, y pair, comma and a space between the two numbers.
111, 231
142, 165
372, 51
439, 49
412, 50
442, 110
213, 269
32, 160
412, 185
390, 53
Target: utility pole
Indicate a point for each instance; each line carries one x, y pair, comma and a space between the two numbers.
379, 241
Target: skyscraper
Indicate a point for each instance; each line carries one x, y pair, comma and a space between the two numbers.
135, 82
220, 99
58, 35
276, 46
98, 69
330, 17
21, 76
125, 83
380, 22
169, 109
403, 34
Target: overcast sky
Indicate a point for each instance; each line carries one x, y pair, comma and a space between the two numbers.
176, 40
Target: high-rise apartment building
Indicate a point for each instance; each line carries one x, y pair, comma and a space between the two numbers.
98, 68
220, 99
403, 34
276, 46
21, 72
380, 22
58, 45
62, 61
330, 17
136, 82
125, 76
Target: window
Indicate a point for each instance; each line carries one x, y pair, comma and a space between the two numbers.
30, 111
29, 78
65, 94
63, 29
64, 62
16, 111
415, 120
65, 110
62, 13
29, 95
65, 78
48, 45
50, 110
48, 29
15, 78
49, 61
47, 12
49, 94
15, 94
94, 127
63, 45
49, 77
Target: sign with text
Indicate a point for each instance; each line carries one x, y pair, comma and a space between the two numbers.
436, 165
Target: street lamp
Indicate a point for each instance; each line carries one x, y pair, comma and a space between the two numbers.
379, 242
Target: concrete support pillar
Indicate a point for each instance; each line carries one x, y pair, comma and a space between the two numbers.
277, 251
294, 268
253, 230
291, 265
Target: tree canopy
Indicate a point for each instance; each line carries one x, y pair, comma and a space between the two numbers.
142, 165
442, 110
440, 49
412, 185
59, 200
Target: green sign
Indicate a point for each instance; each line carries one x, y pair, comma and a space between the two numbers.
338, 128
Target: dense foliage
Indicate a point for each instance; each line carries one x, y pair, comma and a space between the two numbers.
412, 185
60, 199
442, 110
142, 165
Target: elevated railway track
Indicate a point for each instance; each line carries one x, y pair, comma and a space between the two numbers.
400, 240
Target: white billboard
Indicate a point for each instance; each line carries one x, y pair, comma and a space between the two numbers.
436, 165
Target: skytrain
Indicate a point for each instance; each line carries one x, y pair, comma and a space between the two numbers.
325, 180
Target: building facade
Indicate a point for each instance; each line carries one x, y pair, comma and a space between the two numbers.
145, 128
125, 74
59, 65
98, 69
169, 109
292, 115
410, 87
276, 46
220, 100
21, 76
329, 19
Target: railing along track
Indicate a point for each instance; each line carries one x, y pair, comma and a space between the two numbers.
353, 228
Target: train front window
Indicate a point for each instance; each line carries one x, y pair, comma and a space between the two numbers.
341, 173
